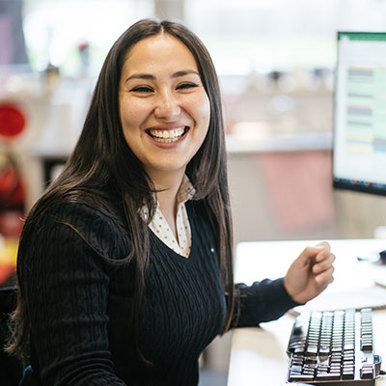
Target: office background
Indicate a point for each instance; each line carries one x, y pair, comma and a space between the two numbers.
275, 60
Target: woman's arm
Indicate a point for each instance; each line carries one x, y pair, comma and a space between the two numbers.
261, 302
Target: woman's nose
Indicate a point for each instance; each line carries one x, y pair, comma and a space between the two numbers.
167, 107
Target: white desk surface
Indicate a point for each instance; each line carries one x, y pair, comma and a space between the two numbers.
258, 355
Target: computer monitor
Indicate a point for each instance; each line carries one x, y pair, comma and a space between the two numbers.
359, 142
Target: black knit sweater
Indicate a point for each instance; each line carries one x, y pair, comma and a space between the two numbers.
79, 302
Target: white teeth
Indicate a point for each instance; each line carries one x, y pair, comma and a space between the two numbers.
167, 135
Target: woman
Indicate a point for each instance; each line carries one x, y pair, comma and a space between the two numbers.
125, 263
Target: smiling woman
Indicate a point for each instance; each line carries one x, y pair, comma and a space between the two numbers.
125, 263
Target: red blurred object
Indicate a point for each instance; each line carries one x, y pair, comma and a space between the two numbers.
11, 188
11, 223
12, 198
12, 120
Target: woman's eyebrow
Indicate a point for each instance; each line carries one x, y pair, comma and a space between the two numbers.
177, 74
140, 76
184, 72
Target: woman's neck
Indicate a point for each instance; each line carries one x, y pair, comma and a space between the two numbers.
167, 186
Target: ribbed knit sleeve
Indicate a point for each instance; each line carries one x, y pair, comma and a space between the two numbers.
261, 302
66, 287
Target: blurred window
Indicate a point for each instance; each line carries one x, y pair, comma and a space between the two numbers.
73, 34
266, 35
12, 47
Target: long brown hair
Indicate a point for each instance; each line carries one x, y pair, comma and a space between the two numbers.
102, 150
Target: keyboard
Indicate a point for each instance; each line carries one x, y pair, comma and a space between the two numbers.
333, 348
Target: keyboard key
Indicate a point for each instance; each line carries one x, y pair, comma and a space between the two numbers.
367, 372
348, 375
366, 345
312, 350
296, 369
322, 368
324, 350
301, 377
327, 377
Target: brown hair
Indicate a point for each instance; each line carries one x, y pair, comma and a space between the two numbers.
102, 149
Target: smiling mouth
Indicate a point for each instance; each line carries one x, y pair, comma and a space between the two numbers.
167, 136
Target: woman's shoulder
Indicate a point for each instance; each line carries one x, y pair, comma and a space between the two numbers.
93, 218
79, 208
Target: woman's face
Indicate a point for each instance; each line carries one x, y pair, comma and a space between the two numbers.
164, 109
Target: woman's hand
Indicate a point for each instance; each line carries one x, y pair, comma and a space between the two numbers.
310, 273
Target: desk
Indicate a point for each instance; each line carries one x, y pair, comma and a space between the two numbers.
258, 355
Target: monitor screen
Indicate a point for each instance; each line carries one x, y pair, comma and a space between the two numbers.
359, 146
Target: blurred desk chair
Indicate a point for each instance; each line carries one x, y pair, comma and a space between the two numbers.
10, 368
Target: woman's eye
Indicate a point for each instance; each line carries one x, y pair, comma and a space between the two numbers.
142, 89
186, 86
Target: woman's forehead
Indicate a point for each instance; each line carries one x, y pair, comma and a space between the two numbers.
161, 51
